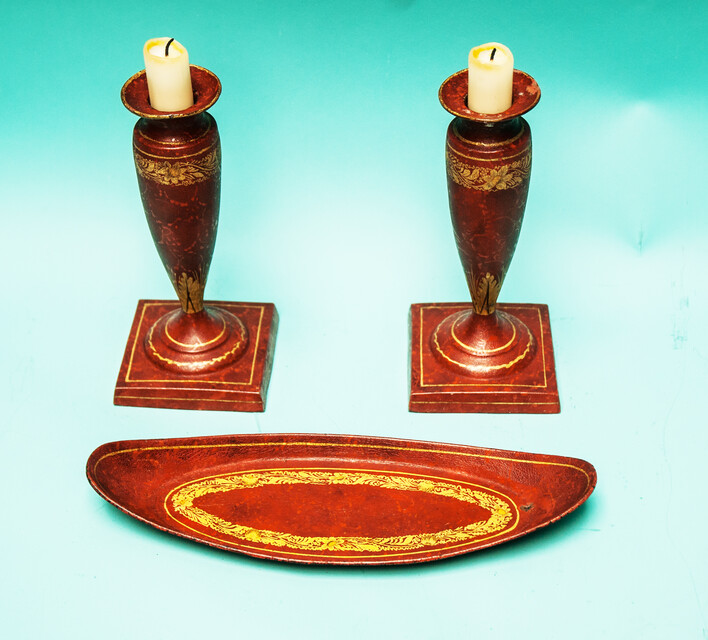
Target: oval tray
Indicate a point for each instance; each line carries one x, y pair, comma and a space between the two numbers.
337, 499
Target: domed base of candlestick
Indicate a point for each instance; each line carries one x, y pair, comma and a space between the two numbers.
483, 345
196, 342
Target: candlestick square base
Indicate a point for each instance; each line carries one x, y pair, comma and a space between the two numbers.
436, 388
240, 386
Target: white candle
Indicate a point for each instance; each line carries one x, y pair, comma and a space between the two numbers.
490, 78
168, 78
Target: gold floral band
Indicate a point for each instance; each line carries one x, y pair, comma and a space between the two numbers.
178, 172
506, 176
501, 513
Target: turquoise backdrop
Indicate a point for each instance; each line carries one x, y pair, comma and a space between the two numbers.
334, 206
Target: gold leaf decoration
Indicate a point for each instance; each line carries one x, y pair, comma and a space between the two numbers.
501, 513
177, 172
486, 294
190, 291
506, 176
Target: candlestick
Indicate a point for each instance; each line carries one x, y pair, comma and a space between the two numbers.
168, 75
490, 78
189, 354
484, 356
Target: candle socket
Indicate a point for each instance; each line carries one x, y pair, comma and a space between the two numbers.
484, 357
189, 354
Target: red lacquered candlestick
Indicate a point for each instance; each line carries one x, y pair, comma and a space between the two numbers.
190, 350
481, 357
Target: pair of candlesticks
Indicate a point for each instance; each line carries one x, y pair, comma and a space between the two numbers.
478, 357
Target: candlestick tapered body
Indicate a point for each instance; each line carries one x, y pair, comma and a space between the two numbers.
488, 171
178, 163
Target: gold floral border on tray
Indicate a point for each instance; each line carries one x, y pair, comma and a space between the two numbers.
506, 176
182, 498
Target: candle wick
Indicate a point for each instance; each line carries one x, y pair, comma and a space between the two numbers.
491, 57
167, 47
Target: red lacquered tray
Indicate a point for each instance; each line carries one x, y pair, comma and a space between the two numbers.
338, 499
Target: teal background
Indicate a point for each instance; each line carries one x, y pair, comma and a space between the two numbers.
334, 207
